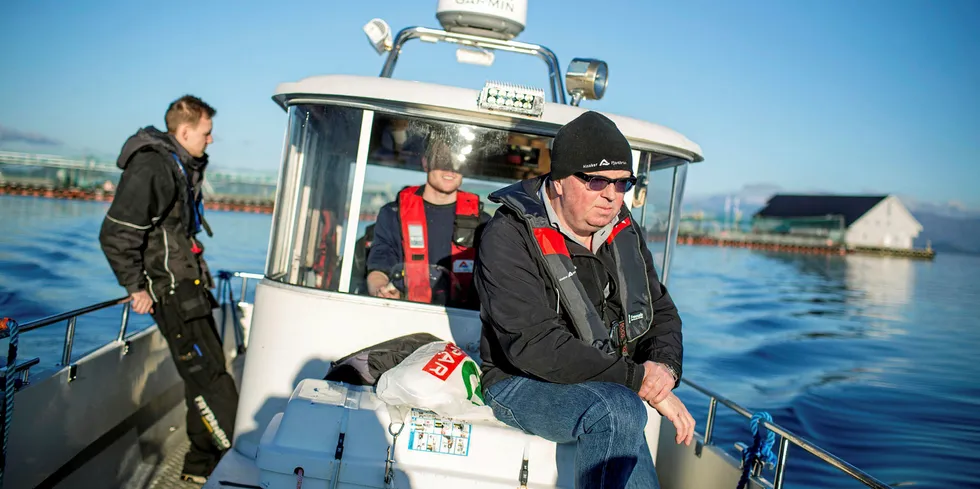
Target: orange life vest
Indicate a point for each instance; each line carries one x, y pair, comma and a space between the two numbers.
415, 246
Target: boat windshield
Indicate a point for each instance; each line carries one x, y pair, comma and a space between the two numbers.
344, 167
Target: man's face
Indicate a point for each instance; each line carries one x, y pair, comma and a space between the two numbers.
195, 138
442, 174
586, 210
445, 181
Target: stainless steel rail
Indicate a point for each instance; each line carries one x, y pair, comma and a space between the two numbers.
245, 276
786, 437
40, 323
435, 35
72, 318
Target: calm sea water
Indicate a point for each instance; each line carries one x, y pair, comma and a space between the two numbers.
874, 359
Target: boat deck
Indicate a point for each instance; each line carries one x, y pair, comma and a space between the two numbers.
164, 474
154, 473
167, 474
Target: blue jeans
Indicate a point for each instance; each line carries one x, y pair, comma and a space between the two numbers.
603, 419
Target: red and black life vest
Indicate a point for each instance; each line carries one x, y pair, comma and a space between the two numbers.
415, 246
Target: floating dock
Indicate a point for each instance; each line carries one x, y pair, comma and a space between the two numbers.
795, 244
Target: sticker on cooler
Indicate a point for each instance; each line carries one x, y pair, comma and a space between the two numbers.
432, 433
445, 362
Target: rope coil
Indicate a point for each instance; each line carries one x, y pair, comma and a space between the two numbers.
8, 328
761, 450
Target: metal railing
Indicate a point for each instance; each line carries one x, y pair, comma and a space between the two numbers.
786, 438
434, 35
72, 317
224, 290
245, 276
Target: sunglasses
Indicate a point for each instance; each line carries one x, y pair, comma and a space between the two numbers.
597, 183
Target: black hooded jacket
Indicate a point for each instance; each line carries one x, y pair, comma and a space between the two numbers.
147, 233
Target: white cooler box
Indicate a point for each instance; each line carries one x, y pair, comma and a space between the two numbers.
338, 435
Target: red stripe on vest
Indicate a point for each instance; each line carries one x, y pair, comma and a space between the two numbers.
411, 211
550, 241
467, 204
621, 225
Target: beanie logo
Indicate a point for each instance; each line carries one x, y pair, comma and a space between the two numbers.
605, 162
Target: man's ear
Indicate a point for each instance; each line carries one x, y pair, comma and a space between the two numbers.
559, 191
425, 164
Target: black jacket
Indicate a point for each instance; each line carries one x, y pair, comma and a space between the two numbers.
522, 333
147, 232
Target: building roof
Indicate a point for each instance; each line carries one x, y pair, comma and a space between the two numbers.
641, 134
852, 207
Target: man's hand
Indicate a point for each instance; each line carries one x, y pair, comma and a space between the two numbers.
673, 409
657, 382
142, 303
379, 285
389, 292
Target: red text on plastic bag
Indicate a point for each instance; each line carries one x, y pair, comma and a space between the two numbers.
443, 363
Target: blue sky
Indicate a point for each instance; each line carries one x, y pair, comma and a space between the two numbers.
809, 95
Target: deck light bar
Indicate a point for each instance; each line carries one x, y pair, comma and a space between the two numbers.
506, 97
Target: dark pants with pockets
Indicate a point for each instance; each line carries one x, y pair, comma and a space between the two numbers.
185, 320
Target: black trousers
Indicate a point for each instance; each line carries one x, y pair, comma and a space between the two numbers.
186, 322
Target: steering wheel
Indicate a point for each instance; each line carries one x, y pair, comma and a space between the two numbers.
441, 281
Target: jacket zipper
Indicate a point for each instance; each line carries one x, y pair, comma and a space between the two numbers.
595, 275
166, 259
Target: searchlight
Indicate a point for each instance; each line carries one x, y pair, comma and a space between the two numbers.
586, 78
379, 34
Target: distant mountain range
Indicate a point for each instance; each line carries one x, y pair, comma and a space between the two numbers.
946, 227
945, 233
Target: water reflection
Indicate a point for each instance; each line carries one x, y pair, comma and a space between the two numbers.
788, 323
886, 282
853, 285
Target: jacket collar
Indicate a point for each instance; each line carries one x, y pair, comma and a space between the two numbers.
190, 162
598, 238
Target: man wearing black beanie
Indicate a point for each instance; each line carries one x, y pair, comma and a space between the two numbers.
578, 331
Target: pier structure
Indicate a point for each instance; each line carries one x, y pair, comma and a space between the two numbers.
52, 176
793, 244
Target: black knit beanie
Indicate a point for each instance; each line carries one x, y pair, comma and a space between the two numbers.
589, 143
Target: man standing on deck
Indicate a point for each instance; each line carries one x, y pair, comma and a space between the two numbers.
578, 331
149, 237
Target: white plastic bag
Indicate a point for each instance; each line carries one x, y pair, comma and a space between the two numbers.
438, 377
